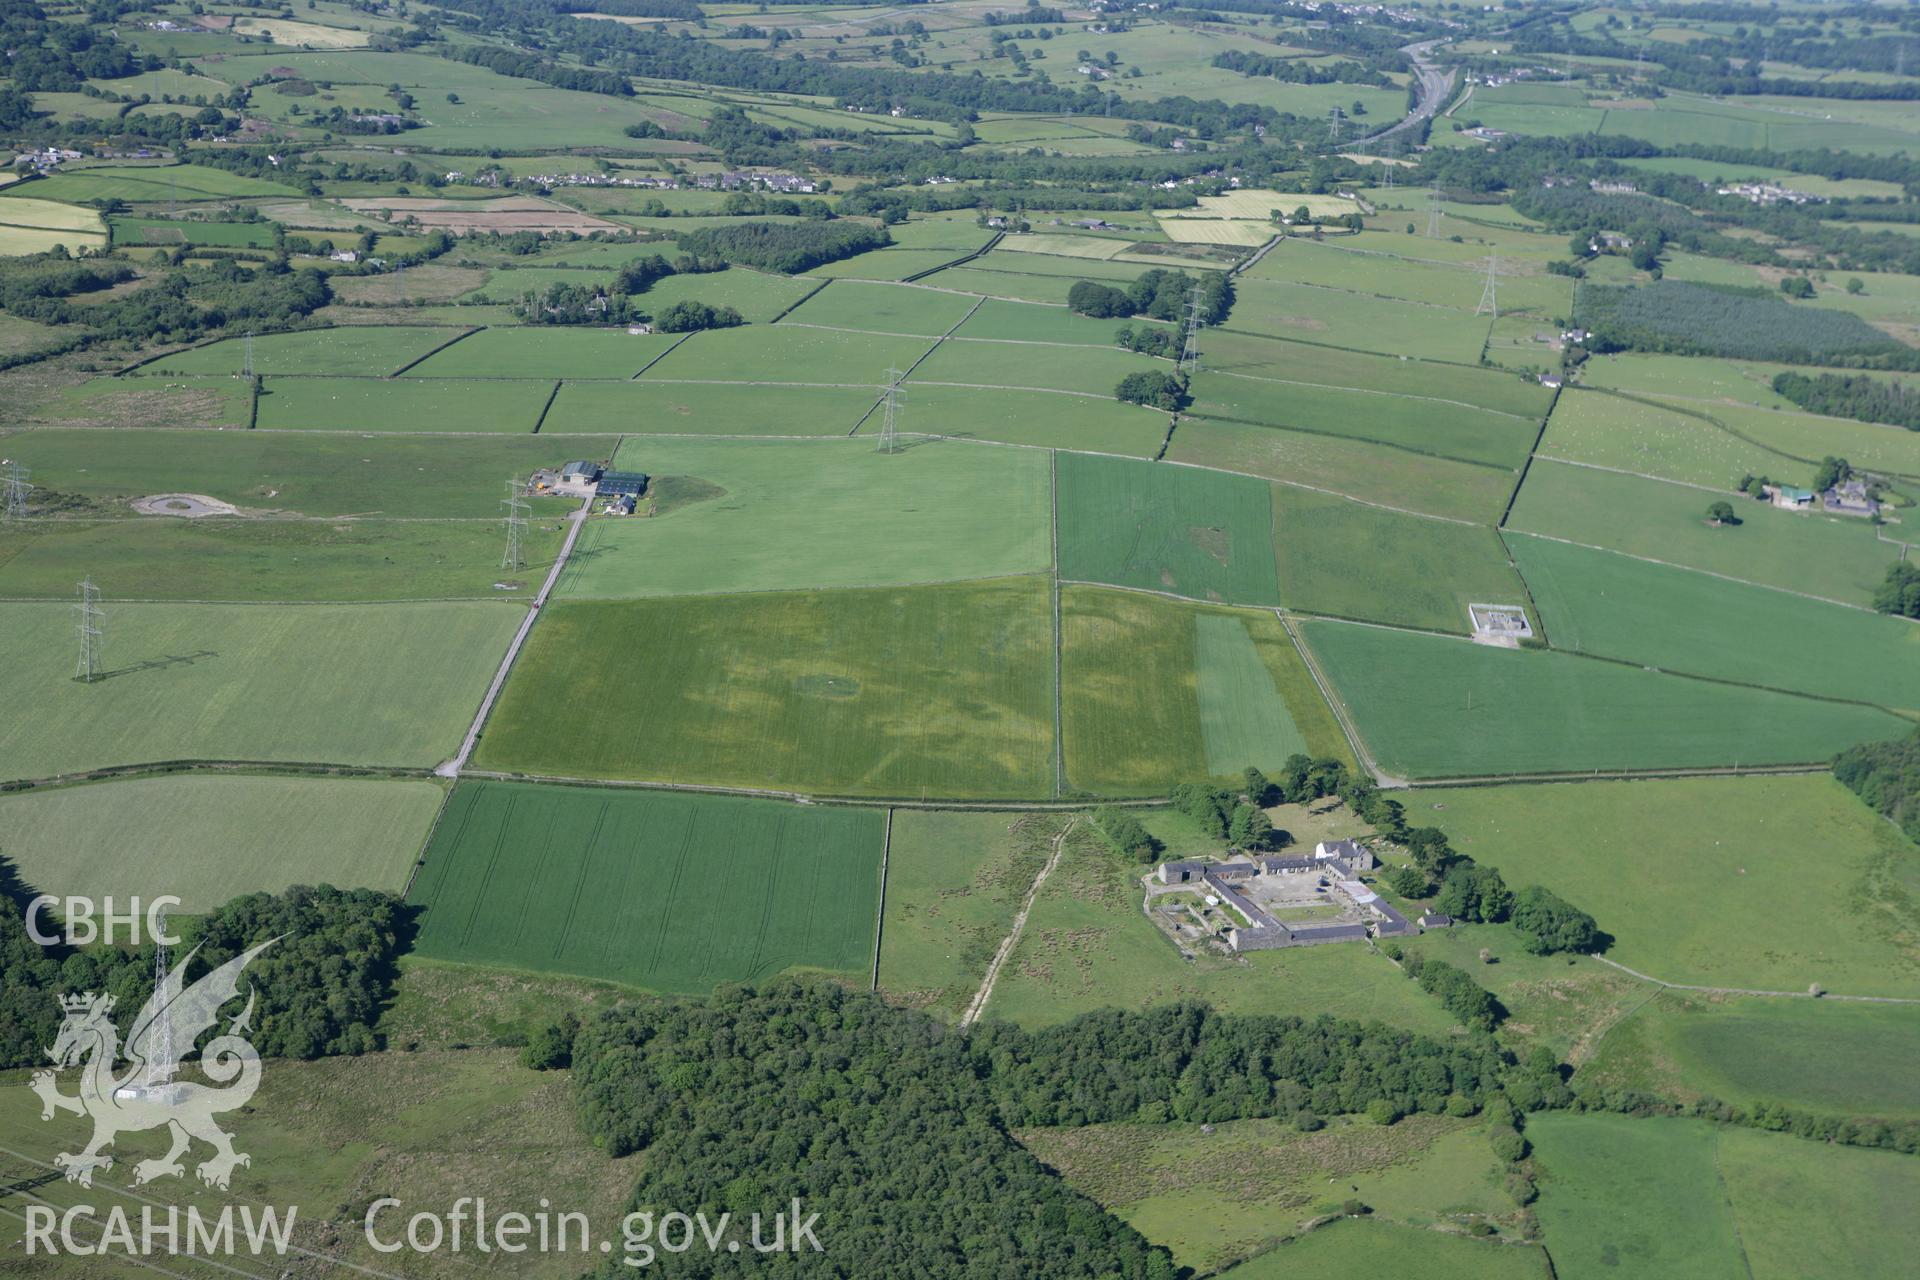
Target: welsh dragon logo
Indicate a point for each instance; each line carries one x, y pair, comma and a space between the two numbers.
146, 1095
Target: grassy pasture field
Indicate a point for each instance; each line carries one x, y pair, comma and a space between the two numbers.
391, 684
1091, 371
29, 225
1045, 419
1087, 945
783, 353
785, 514
150, 184
1356, 1248
1093, 248
558, 352
1003, 321
886, 265
1202, 534
1006, 282
1609, 846
1842, 1058
19, 337
1306, 363
315, 475
1246, 235
664, 891
706, 408
1535, 712
1832, 557
207, 838
371, 351
1185, 1186
1460, 432
402, 404
272, 560
128, 230
941, 691
954, 883
1156, 691
1356, 468
882, 308
1350, 560
1617, 607
1410, 278
1685, 1199
1361, 322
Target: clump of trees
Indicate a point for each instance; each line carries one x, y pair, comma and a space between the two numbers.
1469, 891
321, 986
1682, 318
787, 247
1887, 776
1900, 593
1125, 833
1453, 987
1154, 388
1156, 294
688, 316
1851, 395
1150, 340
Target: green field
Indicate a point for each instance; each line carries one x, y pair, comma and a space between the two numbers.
1357, 468
1412, 278
1361, 322
1027, 322
1700, 918
1202, 534
783, 353
366, 351
392, 684
163, 231
1350, 560
147, 402
313, 475
401, 404
954, 884
1682, 1199
928, 691
706, 408
1618, 607
1358, 1248
1091, 371
161, 558
206, 838
1314, 365
1155, 692
669, 892
546, 352
1535, 712
1842, 1058
1833, 557
883, 308
780, 514
152, 183
1087, 945
1461, 432
1041, 418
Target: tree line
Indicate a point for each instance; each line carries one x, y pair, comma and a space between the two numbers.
1682, 318
787, 247
1851, 395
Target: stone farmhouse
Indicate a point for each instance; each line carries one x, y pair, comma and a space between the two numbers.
1338, 862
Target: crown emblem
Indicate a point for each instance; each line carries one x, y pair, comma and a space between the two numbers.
85, 1001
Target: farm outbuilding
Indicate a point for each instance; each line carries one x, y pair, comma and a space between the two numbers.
622, 483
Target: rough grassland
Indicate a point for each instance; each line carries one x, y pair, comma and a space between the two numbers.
670, 892
1040, 418
706, 408
1828, 556
1359, 1249
1618, 607
273, 560
1807, 1209
1351, 560
1087, 946
929, 691
1357, 468
954, 883
369, 351
1535, 712
1456, 431
1842, 1058
1611, 848
883, 308
1144, 704
401, 404
557, 352
1202, 534
392, 684
757, 296
315, 475
788, 353
207, 838
828, 513
1088, 370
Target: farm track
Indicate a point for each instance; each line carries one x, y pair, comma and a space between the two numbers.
1750, 991
978, 1004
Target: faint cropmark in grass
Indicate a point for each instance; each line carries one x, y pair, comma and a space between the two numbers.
827, 686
